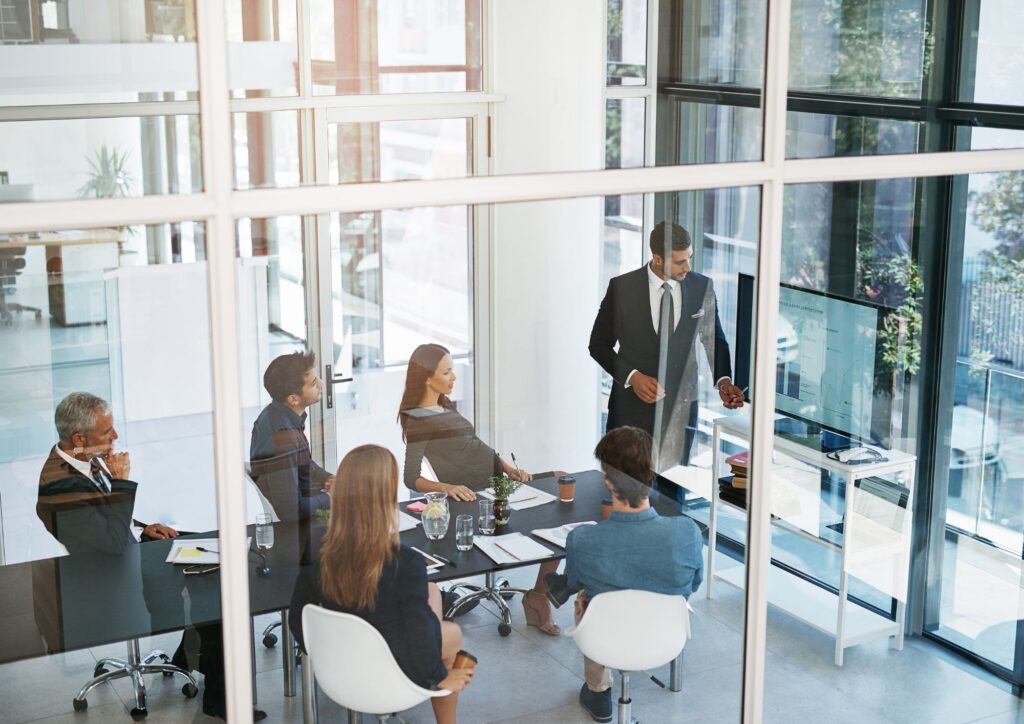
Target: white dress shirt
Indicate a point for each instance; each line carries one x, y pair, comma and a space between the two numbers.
654, 284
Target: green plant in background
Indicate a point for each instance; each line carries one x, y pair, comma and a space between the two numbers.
899, 279
503, 486
108, 178
323, 515
997, 308
108, 175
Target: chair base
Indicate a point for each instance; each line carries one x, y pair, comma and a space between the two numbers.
269, 637
494, 590
134, 668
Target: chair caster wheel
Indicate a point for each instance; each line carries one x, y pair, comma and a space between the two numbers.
270, 641
99, 671
138, 714
504, 629
80, 704
190, 690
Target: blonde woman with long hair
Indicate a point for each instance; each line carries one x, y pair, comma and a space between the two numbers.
364, 570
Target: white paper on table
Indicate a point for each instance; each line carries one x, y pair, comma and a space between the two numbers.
406, 522
511, 548
559, 535
526, 496
185, 551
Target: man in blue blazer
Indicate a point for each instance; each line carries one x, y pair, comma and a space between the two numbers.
655, 315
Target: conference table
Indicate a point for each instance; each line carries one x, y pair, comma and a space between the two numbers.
87, 600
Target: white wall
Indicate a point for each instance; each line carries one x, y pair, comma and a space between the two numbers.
547, 62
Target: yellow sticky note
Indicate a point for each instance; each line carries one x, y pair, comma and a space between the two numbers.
189, 553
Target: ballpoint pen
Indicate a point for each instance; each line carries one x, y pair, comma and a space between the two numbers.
518, 469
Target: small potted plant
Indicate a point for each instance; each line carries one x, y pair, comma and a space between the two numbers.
503, 486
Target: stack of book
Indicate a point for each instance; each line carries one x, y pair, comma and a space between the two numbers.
733, 488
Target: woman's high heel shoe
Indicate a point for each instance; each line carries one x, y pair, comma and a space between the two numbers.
538, 613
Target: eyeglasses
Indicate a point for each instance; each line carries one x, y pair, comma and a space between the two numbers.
857, 456
200, 569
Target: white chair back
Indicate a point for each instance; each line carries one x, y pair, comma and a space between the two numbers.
354, 666
633, 630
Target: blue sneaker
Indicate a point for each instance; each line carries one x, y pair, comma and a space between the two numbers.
597, 704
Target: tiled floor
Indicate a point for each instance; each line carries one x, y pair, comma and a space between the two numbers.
530, 677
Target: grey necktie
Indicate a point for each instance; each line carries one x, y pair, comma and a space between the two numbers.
666, 326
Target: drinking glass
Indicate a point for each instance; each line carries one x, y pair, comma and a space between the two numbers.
486, 520
463, 532
436, 516
264, 532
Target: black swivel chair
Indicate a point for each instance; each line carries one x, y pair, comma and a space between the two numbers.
12, 261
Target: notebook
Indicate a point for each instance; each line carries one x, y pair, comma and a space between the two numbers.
511, 548
526, 496
406, 522
558, 535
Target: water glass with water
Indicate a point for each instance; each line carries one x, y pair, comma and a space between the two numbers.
486, 520
464, 532
264, 532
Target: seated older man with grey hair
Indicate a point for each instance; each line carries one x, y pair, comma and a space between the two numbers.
86, 501
635, 548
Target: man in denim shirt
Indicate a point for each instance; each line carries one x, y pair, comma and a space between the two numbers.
635, 548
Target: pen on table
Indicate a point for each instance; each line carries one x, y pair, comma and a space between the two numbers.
206, 550
451, 563
426, 555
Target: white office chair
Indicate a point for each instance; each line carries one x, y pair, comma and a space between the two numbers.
354, 666
632, 631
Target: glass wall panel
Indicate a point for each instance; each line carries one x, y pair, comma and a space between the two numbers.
992, 59
717, 42
396, 46
106, 452
625, 132
627, 42
874, 48
99, 158
263, 47
822, 135
400, 150
705, 133
267, 150
97, 51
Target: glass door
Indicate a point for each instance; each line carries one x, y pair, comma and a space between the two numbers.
397, 278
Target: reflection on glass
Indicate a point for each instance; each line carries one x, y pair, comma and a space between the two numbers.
266, 149
399, 150
396, 46
992, 59
74, 51
817, 135
712, 41
705, 133
624, 133
99, 158
627, 42
866, 48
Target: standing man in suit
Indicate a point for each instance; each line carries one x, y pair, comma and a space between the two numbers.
655, 315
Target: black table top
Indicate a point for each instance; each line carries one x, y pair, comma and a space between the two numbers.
86, 600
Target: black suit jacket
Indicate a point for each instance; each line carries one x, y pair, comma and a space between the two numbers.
625, 319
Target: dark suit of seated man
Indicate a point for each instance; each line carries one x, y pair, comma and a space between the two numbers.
280, 459
635, 548
86, 502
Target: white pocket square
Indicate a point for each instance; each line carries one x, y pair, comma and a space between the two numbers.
698, 315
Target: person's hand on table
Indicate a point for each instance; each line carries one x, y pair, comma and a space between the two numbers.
732, 396
159, 531
457, 680
460, 492
646, 387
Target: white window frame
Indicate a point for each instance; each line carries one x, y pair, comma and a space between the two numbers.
219, 206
